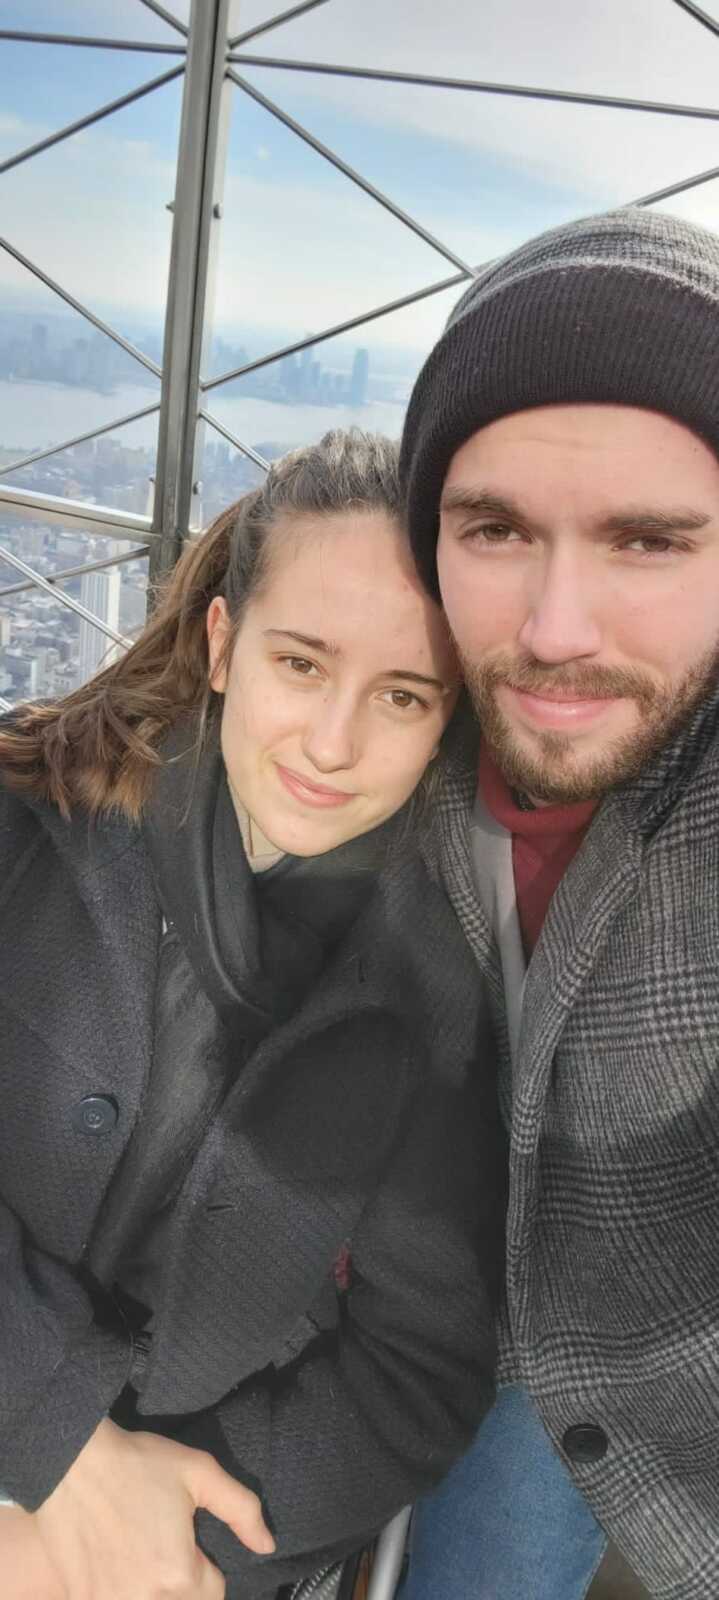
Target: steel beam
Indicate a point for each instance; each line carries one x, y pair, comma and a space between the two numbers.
343, 327
676, 188
275, 22
77, 305
196, 211
88, 121
245, 449
699, 15
80, 438
349, 172
519, 91
78, 572
38, 582
76, 514
146, 47
165, 16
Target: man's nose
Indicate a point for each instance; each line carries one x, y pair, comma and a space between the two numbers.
331, 737
562, 622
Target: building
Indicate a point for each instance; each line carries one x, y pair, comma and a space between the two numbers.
359, 379
100, 594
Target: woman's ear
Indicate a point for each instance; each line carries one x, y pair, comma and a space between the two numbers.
218, 633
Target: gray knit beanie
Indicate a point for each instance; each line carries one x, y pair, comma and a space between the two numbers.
621, 308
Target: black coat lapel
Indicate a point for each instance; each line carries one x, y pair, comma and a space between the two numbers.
81, 928
278, 1185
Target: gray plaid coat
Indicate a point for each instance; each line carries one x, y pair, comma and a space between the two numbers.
613, 1225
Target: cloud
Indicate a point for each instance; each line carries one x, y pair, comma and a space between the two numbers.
284, 261
616, 48
17, 132
92, 213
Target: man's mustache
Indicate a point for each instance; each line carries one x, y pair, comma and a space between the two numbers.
584, 681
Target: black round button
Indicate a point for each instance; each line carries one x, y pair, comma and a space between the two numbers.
96, 1114
585, 1442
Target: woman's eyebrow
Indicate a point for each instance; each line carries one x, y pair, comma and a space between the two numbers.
325, 648
330, 649
414, 677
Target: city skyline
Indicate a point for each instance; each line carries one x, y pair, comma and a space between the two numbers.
92, 360
45, 648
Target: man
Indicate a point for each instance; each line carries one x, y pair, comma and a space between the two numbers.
560, 461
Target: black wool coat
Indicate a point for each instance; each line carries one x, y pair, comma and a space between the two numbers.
367, 1120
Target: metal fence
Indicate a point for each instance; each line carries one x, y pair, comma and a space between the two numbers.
217, 62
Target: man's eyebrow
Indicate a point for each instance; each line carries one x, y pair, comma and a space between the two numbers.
327, 649
457, 498
635, 519
660, 520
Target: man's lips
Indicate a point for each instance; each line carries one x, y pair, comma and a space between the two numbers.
310, 793
561, 708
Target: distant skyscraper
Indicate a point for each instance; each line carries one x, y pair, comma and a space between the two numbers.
360, 375
304, 381
39, 336
100, 594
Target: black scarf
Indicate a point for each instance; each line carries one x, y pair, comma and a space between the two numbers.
251, 946
256, 941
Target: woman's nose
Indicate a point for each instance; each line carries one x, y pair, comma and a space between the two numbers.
331, 736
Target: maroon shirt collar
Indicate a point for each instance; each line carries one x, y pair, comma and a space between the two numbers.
545, 822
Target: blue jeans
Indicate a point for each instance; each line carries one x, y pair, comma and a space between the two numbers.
507, 1523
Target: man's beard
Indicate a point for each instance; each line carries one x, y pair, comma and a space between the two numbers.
553, 770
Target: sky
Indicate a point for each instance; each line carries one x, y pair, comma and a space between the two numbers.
299, 247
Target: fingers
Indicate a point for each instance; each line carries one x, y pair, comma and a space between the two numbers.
216, 1491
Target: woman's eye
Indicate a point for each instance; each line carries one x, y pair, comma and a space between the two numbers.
300, 665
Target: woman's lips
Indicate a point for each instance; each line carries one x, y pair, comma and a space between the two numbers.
311, 794
559, 711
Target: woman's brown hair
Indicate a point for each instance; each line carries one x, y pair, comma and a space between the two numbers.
98, 747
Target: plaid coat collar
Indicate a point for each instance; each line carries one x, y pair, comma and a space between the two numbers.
638, 810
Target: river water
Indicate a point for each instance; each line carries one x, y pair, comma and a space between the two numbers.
33, 415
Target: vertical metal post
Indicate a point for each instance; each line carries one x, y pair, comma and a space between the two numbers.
196, 213
388, 1558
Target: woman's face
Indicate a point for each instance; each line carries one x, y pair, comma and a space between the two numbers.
340, 683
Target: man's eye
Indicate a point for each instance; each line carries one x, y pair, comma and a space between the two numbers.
650, 544
492, 533
403, 699
497, 532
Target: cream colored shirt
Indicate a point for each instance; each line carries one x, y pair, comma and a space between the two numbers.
261, 853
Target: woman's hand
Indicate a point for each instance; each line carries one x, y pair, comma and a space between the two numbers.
120, 1524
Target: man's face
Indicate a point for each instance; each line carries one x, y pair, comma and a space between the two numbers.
578, 560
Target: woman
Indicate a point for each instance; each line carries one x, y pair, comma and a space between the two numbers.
249, 1160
